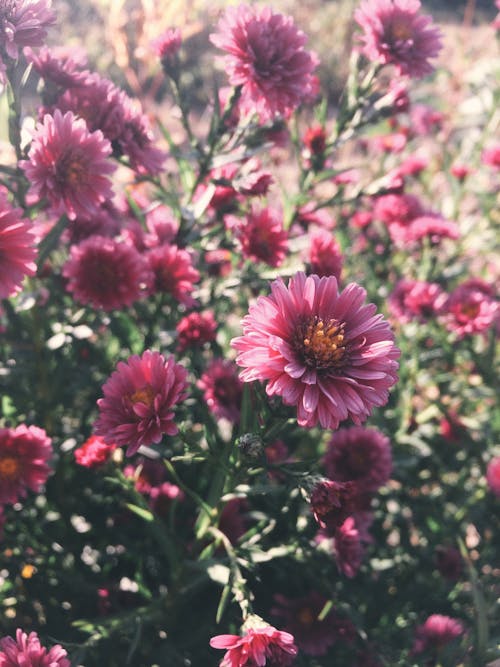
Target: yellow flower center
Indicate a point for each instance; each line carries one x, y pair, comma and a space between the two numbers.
322, 343
144, 395
9, 467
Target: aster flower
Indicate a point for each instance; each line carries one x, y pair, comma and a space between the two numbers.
17, 248
395, 208
61, 66
222, 389
416, 300
138, 402
261, 645
27, 651
348, 548
136, 140
167, 47
312, 635
471, 308
325, 255
395, 33
431, 226
332, 502
491, 156
196, 329
68, 165
266, 56
173, 272
24, 453
106, 273
437, 631
493, 475
262, 235
94, 452
23, 23
359, 454
324, 351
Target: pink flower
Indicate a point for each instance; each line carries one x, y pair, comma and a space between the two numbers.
196, 329
17, 248
162, 497
325, 255
416, 300
313, 635
348, 548
24, 452
395, 208
68, 165
26, 651
493, 475
491, 156
266, 56
430, 226
332, 502
24, 23
222, 389
167, 47
359, 454
61, 65
260, 645
139, 397
94, 452
262, 235
437, 631
105, 273
173, 272
395, 33
471, 308
324, 351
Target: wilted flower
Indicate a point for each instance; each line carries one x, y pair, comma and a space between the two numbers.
24, 453
493, 475
94, 452
17, 248
139, 397
106, 273
261, 645
395, 33
266, 56
222, 389
27, 651
68, 165
324, 351
437, 631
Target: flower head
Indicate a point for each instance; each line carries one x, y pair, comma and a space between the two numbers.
24, 453
173, 272
138, 402
416, 300
266, 56
222, 389
395, 33
260, 645
61, 66
17, 248
325, 255
437, 631
196, 329
27, 651
23, 23
332, 502
68, 165
105, 273
324, 351
166, 47
262, 236
94, 452
471, 308
348, 548
493, 475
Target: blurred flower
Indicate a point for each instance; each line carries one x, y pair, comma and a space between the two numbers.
17, 248
416, 300
313, 635
261, 644
62, 66
397, 208
24, 453
359, 454
460, 171
449, 562
136, 140
424, 119
471, 308
23, 23
348, 548
139, 397
105, 273
315, 145
167, 47
68, 165
491, 156
27, 651
493, 475
325, 255
222, 389
332, 502
162, 225
218, 262
232, 520
146, 473
196, 329
162, 496
430, 226
262, 235
173, 273
266, 56
323, 351
395, 33
437, 631
94, 452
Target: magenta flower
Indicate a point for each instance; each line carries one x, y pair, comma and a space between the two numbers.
26, 651
471, 308
139, 397
262, 235
222, 389
493, 475
325, 255
358, 454
491, 156
69, 166
348, 548
173, 272
332, 502
106, 273
324, 351
166, 47
416, 300
23, 23
260, 645
395, 33
61, 65
436, 632
24, 453
196, 329
266, 56
17, 248
94, 452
